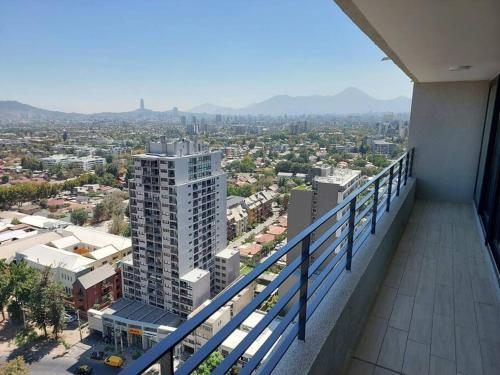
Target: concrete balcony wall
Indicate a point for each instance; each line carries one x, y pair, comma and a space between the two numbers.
333, 330
446, 128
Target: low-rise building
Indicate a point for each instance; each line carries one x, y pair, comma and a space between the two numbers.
132, 323
66, 266
97, 288
227, 268
259, 206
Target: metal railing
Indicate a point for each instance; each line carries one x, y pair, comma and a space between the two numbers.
320, 263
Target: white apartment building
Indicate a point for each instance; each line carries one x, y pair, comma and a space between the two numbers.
85, 163
227, 268
178, 218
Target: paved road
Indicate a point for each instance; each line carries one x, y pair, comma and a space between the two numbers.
67, 362
259, 228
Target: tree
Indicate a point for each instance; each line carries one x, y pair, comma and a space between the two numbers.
5, 179
38, 301
5, 285
78, 216
100, 212
23, 280
118, 224
127, 231
54, 295
31, 163
113, 169
15, 221
15, 366
99, 170
206, 367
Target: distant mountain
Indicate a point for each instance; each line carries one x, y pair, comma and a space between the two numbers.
351, 100
12, 111
15, 111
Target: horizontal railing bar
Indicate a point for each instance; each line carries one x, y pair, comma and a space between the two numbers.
360, 203
363, 213
257, 330
271, 363
328, 233
326, 253
275, 357
362, 236
361, 228
194, 361
270, 341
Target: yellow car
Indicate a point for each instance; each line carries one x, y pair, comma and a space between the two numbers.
114, 361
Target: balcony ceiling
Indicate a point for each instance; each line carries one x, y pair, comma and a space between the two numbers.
427, 37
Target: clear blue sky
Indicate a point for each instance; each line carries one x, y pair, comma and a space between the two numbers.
89, 56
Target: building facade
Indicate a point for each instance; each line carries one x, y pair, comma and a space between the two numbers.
178, 219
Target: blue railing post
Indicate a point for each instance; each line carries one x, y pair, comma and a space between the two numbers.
375, 205
407, 162
411, 161
304, 269
167, 363
389, 188
350, 235
399, 177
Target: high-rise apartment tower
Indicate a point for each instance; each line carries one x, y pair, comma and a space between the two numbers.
178, 219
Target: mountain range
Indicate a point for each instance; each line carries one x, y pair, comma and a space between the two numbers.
348, 101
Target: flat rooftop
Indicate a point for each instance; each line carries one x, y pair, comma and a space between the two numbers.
194, 275
142, 312
339, 176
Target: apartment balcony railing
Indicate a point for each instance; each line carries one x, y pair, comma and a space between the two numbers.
360, 212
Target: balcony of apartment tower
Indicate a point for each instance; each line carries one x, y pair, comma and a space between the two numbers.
404, 279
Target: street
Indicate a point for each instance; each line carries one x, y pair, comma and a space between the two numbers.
259, 228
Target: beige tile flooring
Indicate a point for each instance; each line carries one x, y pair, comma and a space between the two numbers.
438, 310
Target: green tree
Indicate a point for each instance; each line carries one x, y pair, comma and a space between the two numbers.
127, 231
15, 366
113, 169
206, 367
54, 295
5, 285
118, 224
100, 212
31, 163
99, 170
78, 216
23, 279
38, 301
5, 179
15, 221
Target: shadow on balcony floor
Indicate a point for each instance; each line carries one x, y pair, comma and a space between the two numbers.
438, 310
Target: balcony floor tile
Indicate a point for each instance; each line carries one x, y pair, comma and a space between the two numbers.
438, 311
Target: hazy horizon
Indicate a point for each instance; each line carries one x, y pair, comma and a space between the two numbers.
70, 57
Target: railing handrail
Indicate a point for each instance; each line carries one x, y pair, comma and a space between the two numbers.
154, 354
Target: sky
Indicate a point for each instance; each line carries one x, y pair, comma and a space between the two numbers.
93, 56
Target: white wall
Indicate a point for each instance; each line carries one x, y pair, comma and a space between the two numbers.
446, 127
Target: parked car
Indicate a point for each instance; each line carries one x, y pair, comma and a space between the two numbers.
97, 355
114, 361
69, 318
83, 370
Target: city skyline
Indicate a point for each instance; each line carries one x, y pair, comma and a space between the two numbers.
104, 61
